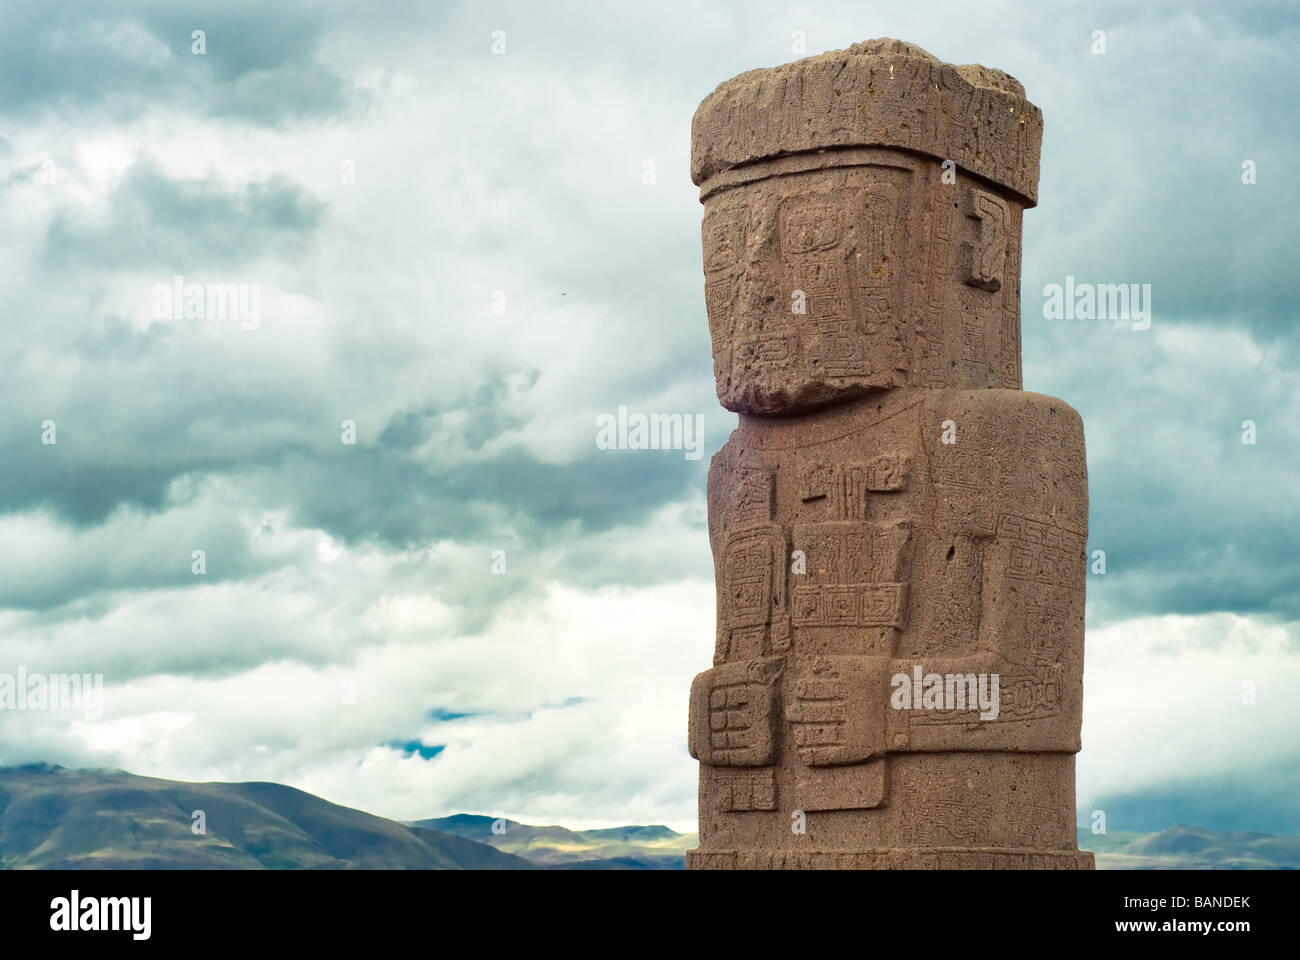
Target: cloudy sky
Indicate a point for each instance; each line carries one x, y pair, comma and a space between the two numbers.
470, 255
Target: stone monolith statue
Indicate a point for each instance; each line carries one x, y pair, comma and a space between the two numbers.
898, 529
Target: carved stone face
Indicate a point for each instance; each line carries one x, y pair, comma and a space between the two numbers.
825, 283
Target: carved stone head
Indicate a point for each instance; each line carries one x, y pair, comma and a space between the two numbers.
862, 226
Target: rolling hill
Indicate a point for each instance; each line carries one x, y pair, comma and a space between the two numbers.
1192, 848
52, 817
616, 848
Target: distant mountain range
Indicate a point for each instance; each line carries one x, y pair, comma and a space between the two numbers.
618, 848
1192, 848
52, 817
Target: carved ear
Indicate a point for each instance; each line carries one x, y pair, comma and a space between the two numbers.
988, 254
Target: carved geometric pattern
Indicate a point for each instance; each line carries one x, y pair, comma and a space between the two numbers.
849, 605
744, 790
1040, 552
894, 859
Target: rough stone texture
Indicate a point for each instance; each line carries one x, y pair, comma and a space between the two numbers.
891, 500
877, 93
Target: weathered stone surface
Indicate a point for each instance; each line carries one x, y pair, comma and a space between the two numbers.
892, 505
877, 93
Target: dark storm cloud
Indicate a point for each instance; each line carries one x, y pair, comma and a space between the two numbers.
1191, 519
399, 493
357, 493
261, 64
1263, 801
114, 452
1141, 182
1218, 538
1143, 154
370, 495
87, 494
100, 567
154, 221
